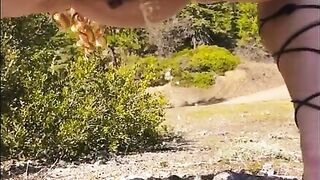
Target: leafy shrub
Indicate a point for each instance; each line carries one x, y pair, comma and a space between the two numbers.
196, 67
200, 80
58, 103
212, 59
147, 68
93, 111
203, 80
247, 23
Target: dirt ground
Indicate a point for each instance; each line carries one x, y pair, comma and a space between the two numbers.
249, 135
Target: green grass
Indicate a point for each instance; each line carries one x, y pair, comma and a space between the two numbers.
258, 111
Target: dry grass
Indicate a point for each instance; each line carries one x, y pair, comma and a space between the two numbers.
245, 135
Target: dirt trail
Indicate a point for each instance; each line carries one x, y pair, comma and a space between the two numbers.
278, 93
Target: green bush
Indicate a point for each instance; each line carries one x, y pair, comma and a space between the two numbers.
147, 68
200, 80
203, 80
212, 59
196, 67
93, 111
58, 103
247, 23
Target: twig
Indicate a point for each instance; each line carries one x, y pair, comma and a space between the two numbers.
50, 167
27, 169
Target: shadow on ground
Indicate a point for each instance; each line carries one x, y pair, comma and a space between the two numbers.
15, 169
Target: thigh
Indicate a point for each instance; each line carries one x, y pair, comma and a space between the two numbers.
299, 30
301, 69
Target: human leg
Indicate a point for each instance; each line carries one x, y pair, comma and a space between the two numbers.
294, 38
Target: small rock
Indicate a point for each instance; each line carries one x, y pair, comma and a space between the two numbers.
99, 162
267, 113
77, 163
226, 176
222, 176
173, 177
62, 163
267, 170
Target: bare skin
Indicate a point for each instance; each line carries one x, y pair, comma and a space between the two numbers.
16, 8
300, 70
127, 15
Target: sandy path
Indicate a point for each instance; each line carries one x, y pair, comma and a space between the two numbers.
278, 93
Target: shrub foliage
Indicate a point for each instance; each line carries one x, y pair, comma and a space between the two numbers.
62, 104
190, 67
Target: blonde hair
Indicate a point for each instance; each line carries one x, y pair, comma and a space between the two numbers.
89, 33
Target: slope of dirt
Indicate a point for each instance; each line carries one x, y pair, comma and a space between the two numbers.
249, 77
